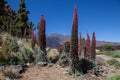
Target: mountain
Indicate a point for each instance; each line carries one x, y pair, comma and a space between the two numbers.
56, 40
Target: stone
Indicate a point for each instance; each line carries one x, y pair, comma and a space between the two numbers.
42, 64
2, 68
50, 64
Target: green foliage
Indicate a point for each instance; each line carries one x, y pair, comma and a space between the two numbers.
66, 46
64, 59
1, 41
86, 64
7, 41
12, 43
114, 77
115, 54
108, 47
27, 55
14, 46
22, 18
114, 63
40, 56
4, 55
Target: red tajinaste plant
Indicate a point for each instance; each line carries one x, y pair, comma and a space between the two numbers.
42, 33
74, 42
88, 52
80, 44
33, 39
93, 48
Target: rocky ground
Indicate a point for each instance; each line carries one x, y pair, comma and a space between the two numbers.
55, 72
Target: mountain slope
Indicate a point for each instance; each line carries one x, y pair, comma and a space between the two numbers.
56, 40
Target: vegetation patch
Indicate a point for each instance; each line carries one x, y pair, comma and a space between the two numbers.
115, 54
114, 77
114, 63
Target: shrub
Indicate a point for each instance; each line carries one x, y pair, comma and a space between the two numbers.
66, 46
8, 72
114, 63
4, 55
1, 41
14, 46
114, 77
27, 55
86, 64
40, 56
7, 41
108, 47
64, 59
115, 54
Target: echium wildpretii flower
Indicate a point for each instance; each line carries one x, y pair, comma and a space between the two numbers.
93, 48
80, 44
88, 48
74, 43
33, 39
42, 33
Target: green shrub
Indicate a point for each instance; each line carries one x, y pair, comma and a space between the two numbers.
27, 55
40, 56
108, 47
64, 59
114, 77
87, 64
10, 74
7, 41
4, 55
114, 63
1, 41
14, 46
115, 54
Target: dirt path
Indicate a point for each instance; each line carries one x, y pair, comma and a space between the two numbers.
45, 73
57, 73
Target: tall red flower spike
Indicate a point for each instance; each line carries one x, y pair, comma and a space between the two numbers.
93, 51
88, 52
74, 42
42, 33
80, 44
33, 39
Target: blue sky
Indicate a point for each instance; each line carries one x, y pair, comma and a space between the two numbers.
101, 16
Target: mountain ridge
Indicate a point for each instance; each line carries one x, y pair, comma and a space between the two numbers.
55, 40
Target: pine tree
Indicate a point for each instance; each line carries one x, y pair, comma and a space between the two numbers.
88, 52
2, 5
22, 18
33, 39
74, 44
93, 51
80, 45
2, 13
